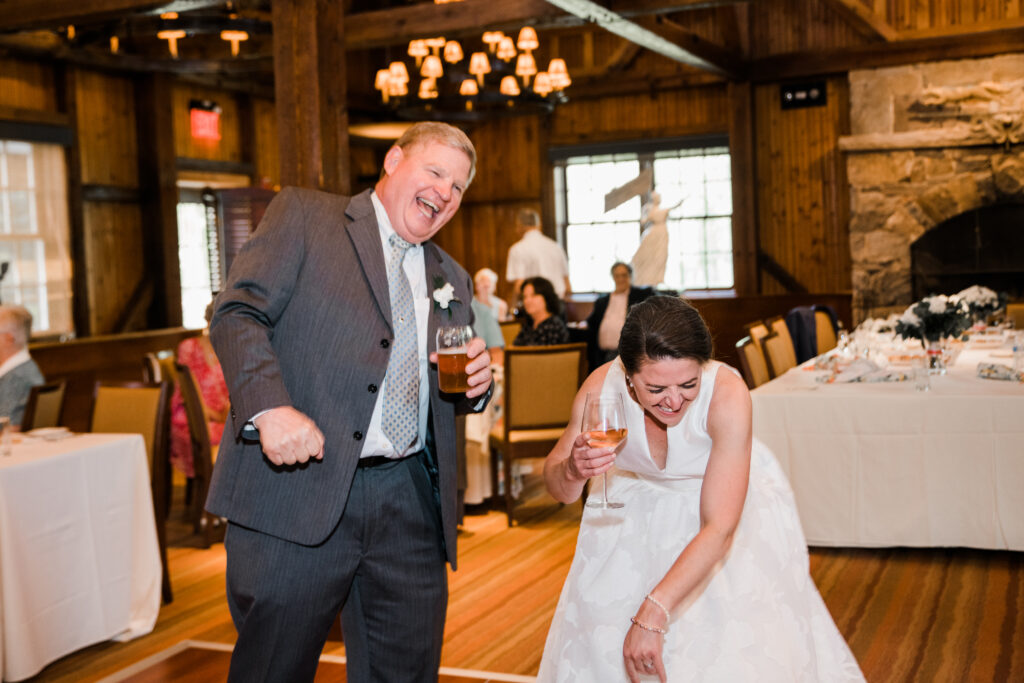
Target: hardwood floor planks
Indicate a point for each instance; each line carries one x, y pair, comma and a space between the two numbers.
909, 614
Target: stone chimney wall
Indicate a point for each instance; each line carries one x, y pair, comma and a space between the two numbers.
929, 142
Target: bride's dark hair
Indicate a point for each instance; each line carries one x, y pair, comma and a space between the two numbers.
663, 327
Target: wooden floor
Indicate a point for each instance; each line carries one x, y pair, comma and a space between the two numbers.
931, 615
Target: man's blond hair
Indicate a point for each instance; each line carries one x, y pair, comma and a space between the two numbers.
435, 131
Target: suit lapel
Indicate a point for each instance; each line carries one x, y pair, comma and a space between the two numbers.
365, 235
435, 270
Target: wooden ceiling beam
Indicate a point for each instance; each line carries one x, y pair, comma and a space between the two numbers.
863, 20
654, 39
399, 25
22, 15
824, 62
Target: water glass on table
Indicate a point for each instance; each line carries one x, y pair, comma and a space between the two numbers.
921, 373
452, 357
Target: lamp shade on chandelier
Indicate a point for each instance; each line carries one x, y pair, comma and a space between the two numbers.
487, 78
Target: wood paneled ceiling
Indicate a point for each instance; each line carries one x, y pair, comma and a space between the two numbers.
616, 45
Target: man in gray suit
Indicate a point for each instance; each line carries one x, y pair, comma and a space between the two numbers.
337, 470
18, 372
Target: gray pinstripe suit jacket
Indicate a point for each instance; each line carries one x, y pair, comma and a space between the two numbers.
305, 321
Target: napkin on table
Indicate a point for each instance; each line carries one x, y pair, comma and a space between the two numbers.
999, 371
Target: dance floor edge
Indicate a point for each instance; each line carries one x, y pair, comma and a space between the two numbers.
196, 661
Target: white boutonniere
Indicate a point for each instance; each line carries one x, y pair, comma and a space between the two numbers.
444, 295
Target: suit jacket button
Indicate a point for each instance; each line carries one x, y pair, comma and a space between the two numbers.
358, 436
384, 343
372, 388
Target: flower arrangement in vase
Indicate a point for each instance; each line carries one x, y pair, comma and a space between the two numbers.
933, 319
981, 302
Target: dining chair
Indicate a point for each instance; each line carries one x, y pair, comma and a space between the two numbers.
540, 385
45, 406
209, 527
778, 325
1015, 312
824, 333
752, 363
142, 408
158, 366
778, 353
509, 330
757, 331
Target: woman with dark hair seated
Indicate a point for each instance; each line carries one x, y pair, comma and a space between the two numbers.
703, 574
543, 326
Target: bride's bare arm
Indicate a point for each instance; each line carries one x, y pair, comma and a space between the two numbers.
571, 462
721, 504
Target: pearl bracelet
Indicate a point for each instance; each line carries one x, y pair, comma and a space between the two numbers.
646, 627
664, 609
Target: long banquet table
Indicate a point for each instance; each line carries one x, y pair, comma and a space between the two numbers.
79, 562
881, 464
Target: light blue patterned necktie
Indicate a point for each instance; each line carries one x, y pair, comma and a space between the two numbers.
400, 418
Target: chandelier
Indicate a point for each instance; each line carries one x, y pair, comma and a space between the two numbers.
504, 75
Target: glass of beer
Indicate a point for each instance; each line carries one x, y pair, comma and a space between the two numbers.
451, 358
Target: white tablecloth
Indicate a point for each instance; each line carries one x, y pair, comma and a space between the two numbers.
79, 561
885, 465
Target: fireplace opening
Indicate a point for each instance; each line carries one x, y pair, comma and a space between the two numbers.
984, 246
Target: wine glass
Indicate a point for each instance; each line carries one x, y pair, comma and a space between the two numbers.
604, 423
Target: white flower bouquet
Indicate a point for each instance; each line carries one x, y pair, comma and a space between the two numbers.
933, 318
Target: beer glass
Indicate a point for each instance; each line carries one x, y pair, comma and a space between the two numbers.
451, 358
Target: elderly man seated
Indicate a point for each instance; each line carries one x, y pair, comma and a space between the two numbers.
18, 372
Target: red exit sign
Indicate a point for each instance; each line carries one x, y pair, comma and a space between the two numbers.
205, 123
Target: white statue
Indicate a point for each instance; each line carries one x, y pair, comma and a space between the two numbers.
652, 254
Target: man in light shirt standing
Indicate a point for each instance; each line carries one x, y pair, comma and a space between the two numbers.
337, 469
536, 255
18, 372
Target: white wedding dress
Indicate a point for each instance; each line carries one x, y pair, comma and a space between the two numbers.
759, 617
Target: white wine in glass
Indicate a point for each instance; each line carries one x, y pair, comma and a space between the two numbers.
604, 423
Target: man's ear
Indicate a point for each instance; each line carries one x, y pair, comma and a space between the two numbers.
392, 158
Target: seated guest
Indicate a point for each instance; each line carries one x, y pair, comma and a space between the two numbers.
197, 353
605, 321
487, 328
18, 372
542, 325
485, 283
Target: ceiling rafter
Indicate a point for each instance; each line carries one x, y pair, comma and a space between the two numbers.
864, 20
22, 15
697, 53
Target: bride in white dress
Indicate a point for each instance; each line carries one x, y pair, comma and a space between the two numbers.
703, 575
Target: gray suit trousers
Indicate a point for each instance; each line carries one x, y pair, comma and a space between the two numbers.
383, 566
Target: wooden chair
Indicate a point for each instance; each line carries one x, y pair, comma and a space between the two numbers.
540, 384
142, 408
752, 363
757, 331
509, 330
210, 527
1015, 312
824, 332
778, 353
45, 406
159, 367
778, 326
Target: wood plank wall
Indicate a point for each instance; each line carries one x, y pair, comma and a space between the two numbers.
802, 193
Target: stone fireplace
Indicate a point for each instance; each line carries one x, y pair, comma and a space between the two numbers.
930, 143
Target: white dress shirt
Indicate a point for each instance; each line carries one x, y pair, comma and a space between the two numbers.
376, 443
14, 361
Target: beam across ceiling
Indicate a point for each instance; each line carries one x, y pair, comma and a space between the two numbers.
863, 19
21, 15
656, 42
